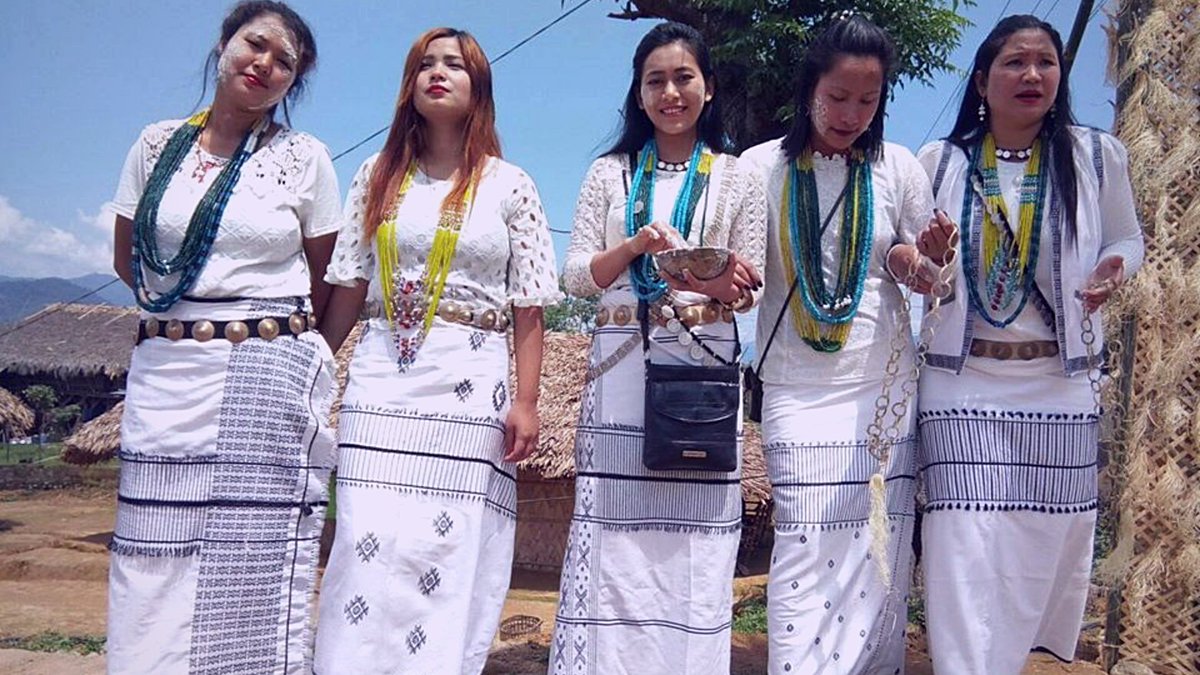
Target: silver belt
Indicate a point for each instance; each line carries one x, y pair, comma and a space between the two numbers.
455, 312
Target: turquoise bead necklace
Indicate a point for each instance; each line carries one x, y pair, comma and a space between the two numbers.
643, 273
201, 231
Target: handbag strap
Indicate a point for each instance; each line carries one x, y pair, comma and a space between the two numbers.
762, 358
643, 312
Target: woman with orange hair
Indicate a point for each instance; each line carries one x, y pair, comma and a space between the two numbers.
449, 246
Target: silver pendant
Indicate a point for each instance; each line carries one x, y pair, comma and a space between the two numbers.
674, 325
696, 352
668, 312
638, 207
685, 339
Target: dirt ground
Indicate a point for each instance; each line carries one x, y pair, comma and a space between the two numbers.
54, 565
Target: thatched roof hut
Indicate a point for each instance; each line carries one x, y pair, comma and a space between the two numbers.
81, 351
97, 441
71, 340
15, 417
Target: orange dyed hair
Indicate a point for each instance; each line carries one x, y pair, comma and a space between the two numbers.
406, 139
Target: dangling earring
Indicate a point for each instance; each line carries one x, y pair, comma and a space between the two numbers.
982, 112
1053, 109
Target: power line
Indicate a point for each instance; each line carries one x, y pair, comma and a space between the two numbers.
493, 62
59, 308
961, 82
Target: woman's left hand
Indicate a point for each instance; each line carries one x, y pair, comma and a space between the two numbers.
738, 279
1106, 277
520, 431
939, 240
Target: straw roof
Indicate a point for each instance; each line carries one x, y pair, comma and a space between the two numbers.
71, 340
97, 441
564, 368
15, 417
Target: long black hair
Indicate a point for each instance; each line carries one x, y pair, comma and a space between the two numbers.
636, 127
1055, 133
248, 10
852, 36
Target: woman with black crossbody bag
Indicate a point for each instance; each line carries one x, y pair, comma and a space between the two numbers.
648, 570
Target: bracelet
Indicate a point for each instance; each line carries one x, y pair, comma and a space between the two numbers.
741, 303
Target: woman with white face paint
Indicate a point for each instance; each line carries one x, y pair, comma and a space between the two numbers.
844, 209
224, 225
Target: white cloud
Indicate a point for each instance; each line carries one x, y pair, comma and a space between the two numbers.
29, 248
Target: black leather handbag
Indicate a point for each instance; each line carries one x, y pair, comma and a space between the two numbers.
691, 411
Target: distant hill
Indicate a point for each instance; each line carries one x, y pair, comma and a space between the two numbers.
21, 297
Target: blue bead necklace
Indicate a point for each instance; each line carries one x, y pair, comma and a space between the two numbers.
822, 317
1008, 277
201, 231
643, 273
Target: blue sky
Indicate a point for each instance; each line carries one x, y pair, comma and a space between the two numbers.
80, 78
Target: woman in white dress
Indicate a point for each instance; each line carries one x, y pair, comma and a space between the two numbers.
224, 223
449, 245
1008, 423
842, 202
647, 576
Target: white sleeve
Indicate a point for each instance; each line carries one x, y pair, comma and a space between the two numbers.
532, 269
320, 208
587, 233
134, 175
1119, 229
353, 259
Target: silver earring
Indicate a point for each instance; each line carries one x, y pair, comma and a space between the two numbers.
982, 111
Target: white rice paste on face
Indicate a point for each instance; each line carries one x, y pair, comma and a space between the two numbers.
819, 116
238, 49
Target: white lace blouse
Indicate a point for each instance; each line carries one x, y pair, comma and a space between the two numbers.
287, 192
504, 254
903, 207
734, 217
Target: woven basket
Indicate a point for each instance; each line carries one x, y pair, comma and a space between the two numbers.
519, 624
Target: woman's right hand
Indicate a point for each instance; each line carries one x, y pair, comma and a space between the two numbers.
654, 238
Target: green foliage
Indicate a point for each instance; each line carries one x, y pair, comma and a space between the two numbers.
757, 46
63, 419
751, 616
40, 397
572, 314
51, 641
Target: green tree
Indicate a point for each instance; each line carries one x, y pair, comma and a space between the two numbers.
41, 398
63, 419
572, 315
757, 45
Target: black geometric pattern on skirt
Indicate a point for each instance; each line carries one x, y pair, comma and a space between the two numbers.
453, 456
241, 595
993, 460
827, 485
631, 497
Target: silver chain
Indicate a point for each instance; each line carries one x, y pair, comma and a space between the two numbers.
880, 438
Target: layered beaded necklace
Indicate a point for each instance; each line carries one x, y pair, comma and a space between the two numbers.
821, 317
1008, 263
412, 303
643, 273
201, 231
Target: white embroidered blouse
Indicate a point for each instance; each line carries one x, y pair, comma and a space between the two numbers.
287, 192
903, 206
733, 217
504, 254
